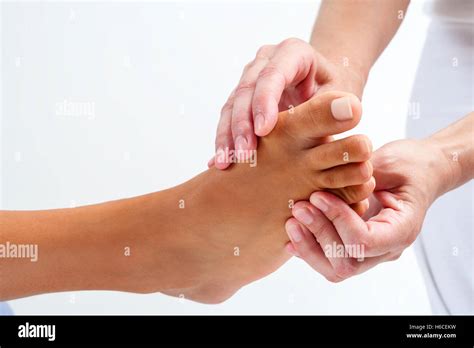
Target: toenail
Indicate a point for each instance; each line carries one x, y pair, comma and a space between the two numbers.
319, 203
295, 233
240, 143
304, 216
259, 123
341, 109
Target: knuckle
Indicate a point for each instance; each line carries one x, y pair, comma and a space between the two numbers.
291, 42
329, 180
264, 51
271, 71
226, 107
365, 171
318, 230
244, 87
240, 125
349, 194
363, 147
313, 111
247, 67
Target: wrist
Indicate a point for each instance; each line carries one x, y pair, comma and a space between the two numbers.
344, 74
446, 169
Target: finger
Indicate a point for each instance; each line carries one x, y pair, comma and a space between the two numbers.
224, 135
356, 193
345, 175
309, 250
291, 249
330, 274
323, 115
355, 148
346, 260
326, 235
381, 234
292, 63
242, 119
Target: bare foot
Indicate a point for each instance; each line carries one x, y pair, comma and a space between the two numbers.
203, 239
230, 230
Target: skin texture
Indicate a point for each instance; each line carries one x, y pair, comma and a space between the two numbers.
410, 175
201, 240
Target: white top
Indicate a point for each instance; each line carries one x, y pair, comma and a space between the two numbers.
460, 11
444, 89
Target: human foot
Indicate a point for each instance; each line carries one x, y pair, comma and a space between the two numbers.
224, 229
204, 239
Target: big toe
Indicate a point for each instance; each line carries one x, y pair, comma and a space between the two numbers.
323, 115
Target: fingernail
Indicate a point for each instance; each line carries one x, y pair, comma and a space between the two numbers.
319, 203
341, 109
259, 123
303, 215
241, 143
295, 233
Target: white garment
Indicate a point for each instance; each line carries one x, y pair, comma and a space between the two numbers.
443, 90
5, 309
459, 11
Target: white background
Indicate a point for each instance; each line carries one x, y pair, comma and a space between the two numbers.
157, 74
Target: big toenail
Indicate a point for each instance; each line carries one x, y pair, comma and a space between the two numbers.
341, 109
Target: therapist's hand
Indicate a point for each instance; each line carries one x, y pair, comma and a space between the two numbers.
410, 175
280, 77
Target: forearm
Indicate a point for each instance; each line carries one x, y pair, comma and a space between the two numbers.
457, 144
87, 248
355, 32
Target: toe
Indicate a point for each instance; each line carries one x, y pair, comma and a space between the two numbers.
326, 114
356, 148
355, 193
345, 175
